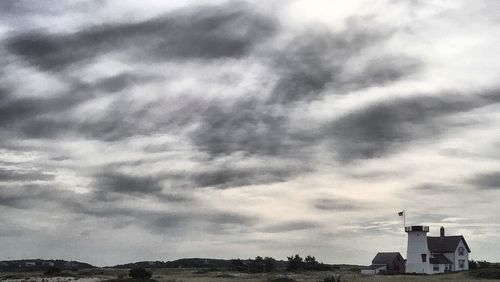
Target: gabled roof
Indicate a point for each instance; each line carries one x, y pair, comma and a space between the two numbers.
440, 259
446, 244
386, 258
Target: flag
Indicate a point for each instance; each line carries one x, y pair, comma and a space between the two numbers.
401, 213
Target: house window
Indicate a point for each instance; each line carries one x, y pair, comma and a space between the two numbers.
461, 263
435, 267
424, 257
461, 251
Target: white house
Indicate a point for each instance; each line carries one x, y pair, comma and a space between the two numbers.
430, 255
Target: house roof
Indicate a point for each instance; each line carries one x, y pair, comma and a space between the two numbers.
440, 259
446, 244
385, 258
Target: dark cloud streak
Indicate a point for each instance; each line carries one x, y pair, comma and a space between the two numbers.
203, 33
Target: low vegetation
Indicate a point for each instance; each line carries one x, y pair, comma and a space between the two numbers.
140, 273
259, 269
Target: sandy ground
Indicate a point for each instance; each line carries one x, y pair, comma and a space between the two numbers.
192, 275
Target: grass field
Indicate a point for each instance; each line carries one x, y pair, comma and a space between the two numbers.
193, 275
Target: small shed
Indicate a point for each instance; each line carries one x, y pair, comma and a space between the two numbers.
393, 261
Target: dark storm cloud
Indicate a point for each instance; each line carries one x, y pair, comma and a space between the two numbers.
486, 181
291, 226
205, 33
383, 127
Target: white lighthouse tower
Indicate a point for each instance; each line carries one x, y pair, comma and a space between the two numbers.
418, 255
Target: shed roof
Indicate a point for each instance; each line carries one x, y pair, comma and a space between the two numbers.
385, 258
446, 244
374, 266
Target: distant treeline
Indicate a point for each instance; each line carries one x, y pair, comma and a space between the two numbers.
40, 264
293, 263
258, 264
484, 269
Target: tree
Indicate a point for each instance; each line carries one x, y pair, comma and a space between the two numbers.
472, 264
310, 260
483, 264
294, 263
140, 273
269, 263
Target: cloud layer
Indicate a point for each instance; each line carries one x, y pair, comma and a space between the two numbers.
236, 129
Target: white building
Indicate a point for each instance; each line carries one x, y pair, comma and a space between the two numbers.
373, 269
430, 255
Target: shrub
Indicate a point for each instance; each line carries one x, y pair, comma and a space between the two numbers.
270, 264
333, 279
52, 271
139, 273
282, 279
294, 263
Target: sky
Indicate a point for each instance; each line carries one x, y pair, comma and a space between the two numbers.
158, 130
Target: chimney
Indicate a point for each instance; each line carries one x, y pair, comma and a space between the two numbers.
442, 231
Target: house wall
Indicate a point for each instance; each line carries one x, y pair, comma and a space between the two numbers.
455, 257
442, 268
451, 257
458, 257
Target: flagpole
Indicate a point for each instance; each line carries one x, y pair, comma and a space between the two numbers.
404, 218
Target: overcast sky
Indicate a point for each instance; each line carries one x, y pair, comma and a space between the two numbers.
157, 130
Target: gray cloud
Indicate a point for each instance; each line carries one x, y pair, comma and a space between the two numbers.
383, 127
22, 175
291, 226
487, 181
203, 33
109, 183
433, 187
244, 127
214, 222
29, 195
335, 205
227, 177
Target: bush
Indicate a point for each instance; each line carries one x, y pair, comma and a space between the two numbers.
282, 279
139, 273
333, 279
294, 263
486, 273
270, 264
52, 271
